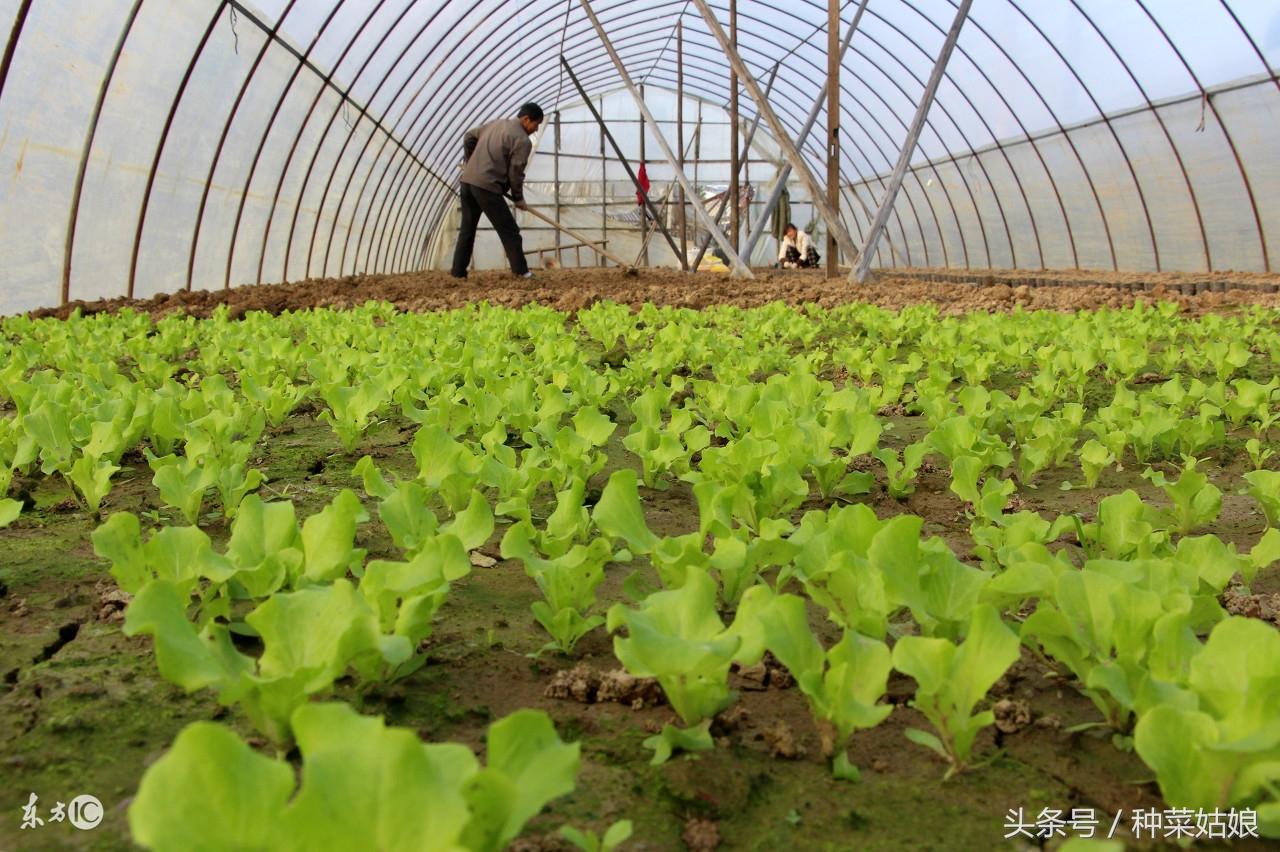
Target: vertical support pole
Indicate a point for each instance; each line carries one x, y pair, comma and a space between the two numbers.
746, 182
684, 230
642, 194
863, 265
780, 133
734, 165
738, 268
697, 154
644, 209
604, 188
785, 173
746, 148
556, 185
833, 129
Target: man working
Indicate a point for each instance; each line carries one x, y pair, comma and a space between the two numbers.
495, 156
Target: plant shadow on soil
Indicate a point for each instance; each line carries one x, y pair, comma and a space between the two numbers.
84, 710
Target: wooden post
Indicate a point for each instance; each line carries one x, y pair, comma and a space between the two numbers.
556, 184
738, 269
604, 186
684, 234
809, 122
780, 132
734, 165
644, 210
833, 129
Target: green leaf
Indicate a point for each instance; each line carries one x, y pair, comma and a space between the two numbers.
528, 766
365, 785
191, 660
328, 536
673, 739
927, 740
677, 637
9, 511
473, 525
210, 791
619, 513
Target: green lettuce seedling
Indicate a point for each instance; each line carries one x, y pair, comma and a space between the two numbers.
396, 792
1196, 501
1221, 749
1264, 486
589, 841
843, 684
677, 637
901, 472
1124, 629
568, 583
951, 680
310, 638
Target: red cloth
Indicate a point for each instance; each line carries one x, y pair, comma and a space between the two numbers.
642, 178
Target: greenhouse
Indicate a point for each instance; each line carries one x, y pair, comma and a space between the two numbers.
595, 424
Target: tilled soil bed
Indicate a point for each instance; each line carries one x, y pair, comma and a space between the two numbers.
575, 289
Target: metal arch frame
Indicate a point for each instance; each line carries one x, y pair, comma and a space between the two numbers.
717, 87
302, 128
11, 46
1164, 129
738, 269
359, 159
387, 135
961, 230
863, 261
74, 215
999, 144
164, 137
355, 167
412, 210
817, 154
1124, 152
976, 24
951, 155
1226, 132
386, 139
789, 150
217, 153
712, 90
1049, 173
262, 141
376, 158
716, 90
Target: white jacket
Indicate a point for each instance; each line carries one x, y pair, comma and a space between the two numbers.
801, 244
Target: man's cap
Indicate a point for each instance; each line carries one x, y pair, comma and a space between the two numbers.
532, 110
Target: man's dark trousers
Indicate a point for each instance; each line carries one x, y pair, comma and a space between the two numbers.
475, 201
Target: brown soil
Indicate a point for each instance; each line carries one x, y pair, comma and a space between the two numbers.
575, 289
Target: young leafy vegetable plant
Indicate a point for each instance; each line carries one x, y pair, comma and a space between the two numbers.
568, 583
843, 684
1216, 747
677, 637
396, 792
1264, 486
951, 680
901, 471
1196, 501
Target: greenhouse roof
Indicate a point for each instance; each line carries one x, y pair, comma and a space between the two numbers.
154, 146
